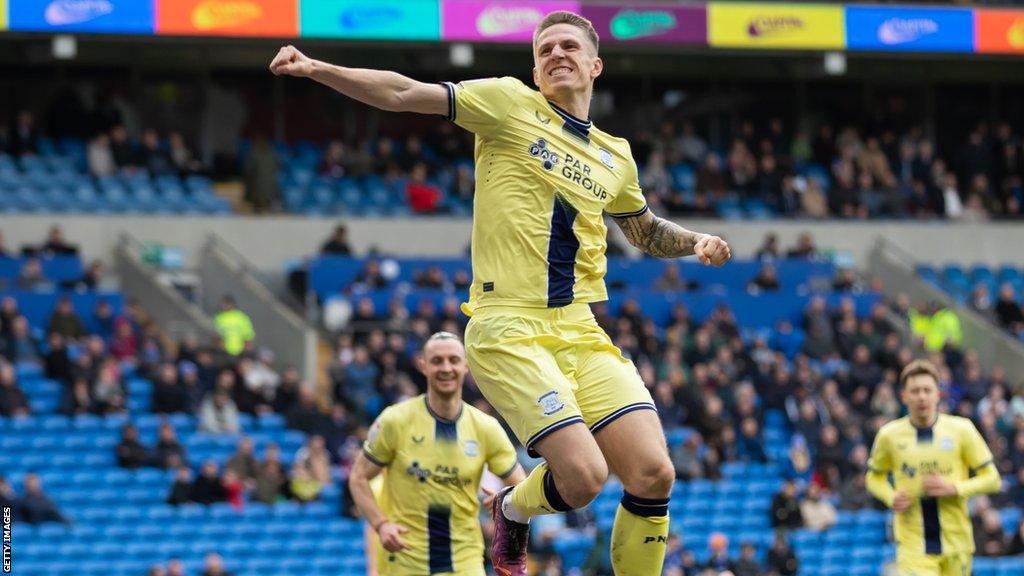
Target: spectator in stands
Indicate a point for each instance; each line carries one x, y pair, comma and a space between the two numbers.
670, 280
23, 139
13, 401
315, 459
990, 540
175, 567
156, 570
183, 158
131, 453
853, 495
181, 490
4, 251
103, 320
261, 168
242, 462
785, 509
302, 486
65, 321
1016, 547
218, 414
1008, 312
336, 430
235, 326
167, 394
804, 248
124, 345
259, 380
208, 487
333, 164
337, 244
56, 365
31, 276
213, 565
359, 388
56, 245
749, 446
89, 281
270, 479
817, 512
9, 500
154, 158
424, 197
79, 400
767, 280
8, 313
781, 559
371, 278
288, 391
36, 507
168, 450
234, 489
747, 565
769, 248
718, 560
100, 157
122, 149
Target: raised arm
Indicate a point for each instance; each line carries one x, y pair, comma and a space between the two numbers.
664, 239
382, 89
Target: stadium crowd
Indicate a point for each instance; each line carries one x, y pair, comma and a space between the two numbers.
835, 391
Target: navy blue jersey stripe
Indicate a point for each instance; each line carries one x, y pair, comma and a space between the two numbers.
562, 248
630, 214
372, 459
932, 527
439, 539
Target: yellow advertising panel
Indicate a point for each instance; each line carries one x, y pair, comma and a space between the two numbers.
800, 26
3, 14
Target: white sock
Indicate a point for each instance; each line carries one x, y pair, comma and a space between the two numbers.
510, 512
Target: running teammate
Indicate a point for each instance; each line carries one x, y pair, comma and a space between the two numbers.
432, 450
938, 462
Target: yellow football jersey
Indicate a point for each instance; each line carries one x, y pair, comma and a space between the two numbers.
433, 470
952, 448
544, 179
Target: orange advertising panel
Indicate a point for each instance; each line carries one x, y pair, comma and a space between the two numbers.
228, 17
999, 31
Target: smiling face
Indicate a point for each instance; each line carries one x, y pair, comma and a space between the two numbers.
444, 364
565, 61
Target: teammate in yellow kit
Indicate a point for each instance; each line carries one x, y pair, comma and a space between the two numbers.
938, 462
545, 178
434, 448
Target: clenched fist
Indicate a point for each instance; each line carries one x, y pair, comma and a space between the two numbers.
290, 62
712, 250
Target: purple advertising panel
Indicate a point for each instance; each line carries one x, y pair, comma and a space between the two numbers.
655, 24
500, 21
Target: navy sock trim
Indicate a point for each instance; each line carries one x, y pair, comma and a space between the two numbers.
646, 507
552, 495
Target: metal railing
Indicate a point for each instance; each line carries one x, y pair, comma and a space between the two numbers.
896, 268
156, 294
224, 270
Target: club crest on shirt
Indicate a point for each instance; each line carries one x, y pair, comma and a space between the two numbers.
539, 149
550, 403
472, 448
606, 158
946, 443
909, 471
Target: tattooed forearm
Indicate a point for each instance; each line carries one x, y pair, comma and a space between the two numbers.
657, 236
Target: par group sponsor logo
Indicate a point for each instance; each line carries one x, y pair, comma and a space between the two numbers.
633, 24
774, 25
69, 12
217, 14
503, 21
902, 30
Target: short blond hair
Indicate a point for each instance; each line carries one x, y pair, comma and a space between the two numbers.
570, 18
918, 368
